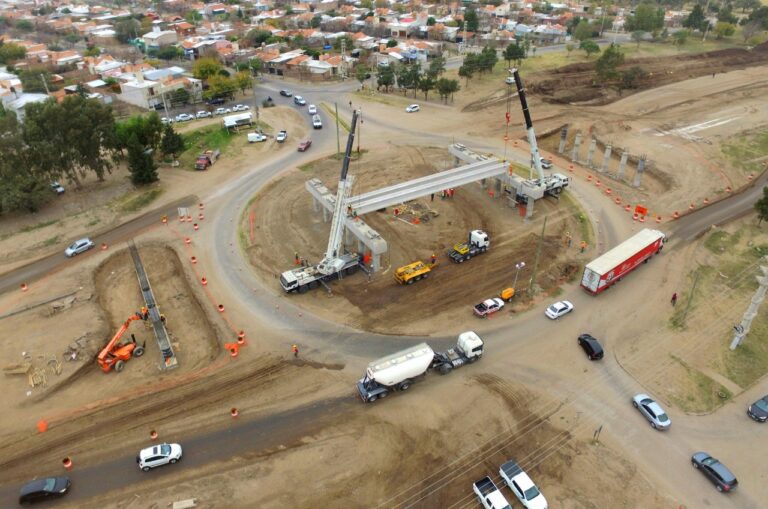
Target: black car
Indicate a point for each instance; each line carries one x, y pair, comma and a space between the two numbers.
217, 100
759, 409
44, 489
591, 347
721, 477
285, 93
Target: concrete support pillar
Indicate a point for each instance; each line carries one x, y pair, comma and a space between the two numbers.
315, 205
483, 183
325, 215
497, 188
622, 164
376, 262
347, 236
606, 158
639, 172
529, 207
575, 151
563, 138
591, 152
360, 246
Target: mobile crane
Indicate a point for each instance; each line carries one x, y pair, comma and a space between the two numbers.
335, 263
116, 354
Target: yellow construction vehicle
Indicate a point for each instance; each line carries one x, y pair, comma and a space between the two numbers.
415, 271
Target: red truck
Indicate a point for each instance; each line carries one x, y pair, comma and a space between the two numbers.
207, 159
601, 273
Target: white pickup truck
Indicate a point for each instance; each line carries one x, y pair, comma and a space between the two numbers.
521, 485
490, 496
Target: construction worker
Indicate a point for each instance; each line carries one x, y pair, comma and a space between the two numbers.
162, 318
583, 245
295, 350
674, 298
144, 313
434, 258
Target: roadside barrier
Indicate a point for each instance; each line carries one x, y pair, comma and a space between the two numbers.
67, 462
153, 435
234, 412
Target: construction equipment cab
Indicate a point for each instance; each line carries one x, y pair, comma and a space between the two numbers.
408, 274
116, 354
478, 242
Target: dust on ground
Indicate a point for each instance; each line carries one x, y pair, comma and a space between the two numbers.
286, 226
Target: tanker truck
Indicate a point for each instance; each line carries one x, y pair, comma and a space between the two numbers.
396, 372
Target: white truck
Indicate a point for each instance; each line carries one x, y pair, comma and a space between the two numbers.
490, 496
477, 243
522, 486
398, 371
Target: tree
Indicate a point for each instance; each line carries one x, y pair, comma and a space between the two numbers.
589, 47
470, 20
633, 76
405, 78
637, 36
487, 59
607, 66
726, 15
446, 87
385, 78
21, 185
244, 81
647, 18
436, 66
362, 72
680, 37
760, 15
514, 53
431, 21
180, 96
173, 142
426, 83
256, 66
36, 80
169, 53
126, 30
10, 52
87, 144
93, 51
468, 68
140, 163
583, 31
745, 5
391, 43
147, 129
255, 37
204, 68
348, 44
750, 30
71, 39
24, 25
761, 206
696, 20
723, 29
220, 86
315, 22
569, 48
193, 17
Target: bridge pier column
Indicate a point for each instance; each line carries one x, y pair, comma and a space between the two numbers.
325, 215
315, 205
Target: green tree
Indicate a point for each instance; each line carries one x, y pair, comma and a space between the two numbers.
725, 14
468, 68
87, 144
256, 37
436, 66
761, 206
583, 31
589, 47
405, 78
385, 78
180, 96
10, 52
696, 20
487, 59
126, 30
637, 36
446, 87
471, 21
256, 66
93, 51
193, 17
24, 25
648, 17
173, 142
348, 44
315, 22
426, 83
244, 81
723, 29
361, 72
761, 16
36, 80
147, 129
569, 48
391, 43
681, 37
22, 186
140, 163
631, 77
220, 86
204, 68
514, 53
169, 53
71, 39
607, 66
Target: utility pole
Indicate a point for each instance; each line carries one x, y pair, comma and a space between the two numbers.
707, 21
538, 254
338, 147
359, 132
742, 329
45, 84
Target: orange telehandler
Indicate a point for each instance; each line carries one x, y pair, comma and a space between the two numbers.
116, 354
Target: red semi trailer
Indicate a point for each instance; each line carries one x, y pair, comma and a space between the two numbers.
609, 268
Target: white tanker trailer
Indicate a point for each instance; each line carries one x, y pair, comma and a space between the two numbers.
396, 372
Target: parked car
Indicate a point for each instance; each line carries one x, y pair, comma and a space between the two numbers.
413, 108
256, 137
304, 145
545, 163
522, 486
240, 107
217, 100
166, 120
559, 309
44, 489
79, 246
57, 188
591, 347
203, 114
158, 455
285, 93
721, 477
281, 136
312, 109
488, 307
652, 411
220, 111
759, 409
184, 117
299, 100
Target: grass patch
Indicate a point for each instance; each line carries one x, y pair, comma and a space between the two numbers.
132, 202
749, 362
94, 222
39, 225
718, 242
52, 241
688, 300
585, 226
747, 152
704, 395
332, 113
207, 138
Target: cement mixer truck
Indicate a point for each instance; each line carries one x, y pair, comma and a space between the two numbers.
398, 371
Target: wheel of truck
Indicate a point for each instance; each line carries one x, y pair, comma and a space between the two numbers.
425, 276
119, 365
372, 398
138, 351
418, 278
383, 395
404, 385
314, 284
445, 369
483, 249
461, 260
352, 269
409, 282
469, 256
303, 289
471, 360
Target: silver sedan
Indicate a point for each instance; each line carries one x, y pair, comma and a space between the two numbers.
652, 411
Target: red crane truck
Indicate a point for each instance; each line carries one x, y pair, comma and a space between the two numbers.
609, 268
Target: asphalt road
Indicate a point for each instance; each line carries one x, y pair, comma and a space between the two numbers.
39, 268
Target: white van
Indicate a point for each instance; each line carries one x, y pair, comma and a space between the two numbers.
316, 122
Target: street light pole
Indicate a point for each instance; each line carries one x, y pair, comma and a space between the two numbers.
518, 266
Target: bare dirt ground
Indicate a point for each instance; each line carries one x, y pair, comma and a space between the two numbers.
288, 226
